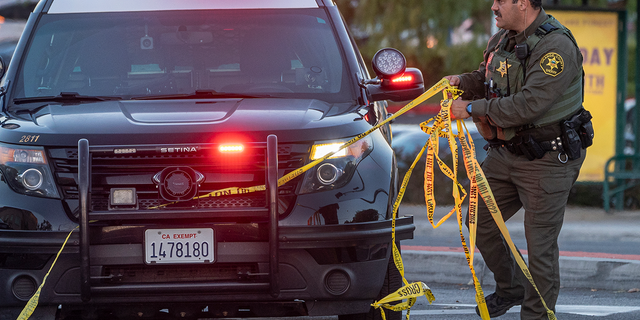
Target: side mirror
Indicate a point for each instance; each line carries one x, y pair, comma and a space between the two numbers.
394, 80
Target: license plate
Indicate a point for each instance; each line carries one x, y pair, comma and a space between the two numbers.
179, 245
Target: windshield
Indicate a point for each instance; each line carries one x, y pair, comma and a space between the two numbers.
277, 53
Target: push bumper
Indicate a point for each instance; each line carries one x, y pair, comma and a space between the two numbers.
322, 270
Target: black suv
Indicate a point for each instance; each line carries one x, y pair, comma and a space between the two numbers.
160, 129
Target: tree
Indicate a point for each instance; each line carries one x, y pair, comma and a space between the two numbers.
423, 29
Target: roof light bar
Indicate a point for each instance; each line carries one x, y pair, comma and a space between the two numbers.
78, 6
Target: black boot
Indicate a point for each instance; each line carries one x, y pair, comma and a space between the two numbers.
498, 305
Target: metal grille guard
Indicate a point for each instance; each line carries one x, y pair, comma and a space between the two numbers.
84, 192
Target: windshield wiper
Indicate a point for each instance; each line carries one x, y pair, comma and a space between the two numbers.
201, 94
64, 97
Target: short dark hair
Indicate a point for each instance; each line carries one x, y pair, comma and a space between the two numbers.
536, 4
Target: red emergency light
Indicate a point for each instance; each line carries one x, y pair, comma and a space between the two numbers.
231, 148
402, 79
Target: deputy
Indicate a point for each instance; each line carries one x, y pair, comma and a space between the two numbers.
526, 100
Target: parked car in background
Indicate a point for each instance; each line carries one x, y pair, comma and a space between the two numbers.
407, 141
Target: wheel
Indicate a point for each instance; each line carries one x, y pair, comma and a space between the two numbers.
392, 282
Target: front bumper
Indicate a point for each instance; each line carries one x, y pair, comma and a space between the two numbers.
322, 269
265, 264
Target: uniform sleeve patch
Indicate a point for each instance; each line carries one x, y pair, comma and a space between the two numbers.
552, 64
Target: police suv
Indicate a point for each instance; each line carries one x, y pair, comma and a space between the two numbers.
157, 133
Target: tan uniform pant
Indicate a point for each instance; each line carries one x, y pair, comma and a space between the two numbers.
541, 187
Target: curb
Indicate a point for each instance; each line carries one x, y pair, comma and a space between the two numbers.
575, 272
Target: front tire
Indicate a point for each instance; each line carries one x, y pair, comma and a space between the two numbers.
392, 282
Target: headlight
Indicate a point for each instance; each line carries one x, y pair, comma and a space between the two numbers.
336, 171
26, 171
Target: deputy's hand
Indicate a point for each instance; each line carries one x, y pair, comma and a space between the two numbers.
453, 80
459, 109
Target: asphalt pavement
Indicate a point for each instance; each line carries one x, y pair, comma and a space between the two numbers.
598, 250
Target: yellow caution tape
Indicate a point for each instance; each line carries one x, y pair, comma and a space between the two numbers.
219, 193
441, 128
397, 259
409, 292
292, 175
487, 196
32, 304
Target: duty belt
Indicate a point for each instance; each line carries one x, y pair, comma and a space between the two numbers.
552, 145
515, 146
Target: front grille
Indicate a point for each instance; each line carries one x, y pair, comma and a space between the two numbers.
111, 170
245, 201
179, 273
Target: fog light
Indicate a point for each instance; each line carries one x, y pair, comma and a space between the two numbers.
24, 287
123, 197
337, 282
32, 179
328, 173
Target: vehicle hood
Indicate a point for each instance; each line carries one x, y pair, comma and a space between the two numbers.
182, 121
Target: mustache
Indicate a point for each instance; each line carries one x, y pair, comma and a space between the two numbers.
497, 14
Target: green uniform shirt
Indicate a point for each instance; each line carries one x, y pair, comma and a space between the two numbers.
542, 86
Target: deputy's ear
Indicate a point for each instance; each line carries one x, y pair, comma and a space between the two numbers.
522, 4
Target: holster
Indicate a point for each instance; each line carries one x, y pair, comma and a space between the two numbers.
530, 148
571, 142
586, 128
577, 133
586, 134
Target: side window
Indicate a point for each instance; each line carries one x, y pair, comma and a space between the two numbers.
380, 107
361, 64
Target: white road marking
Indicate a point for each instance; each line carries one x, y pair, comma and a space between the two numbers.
586, 310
